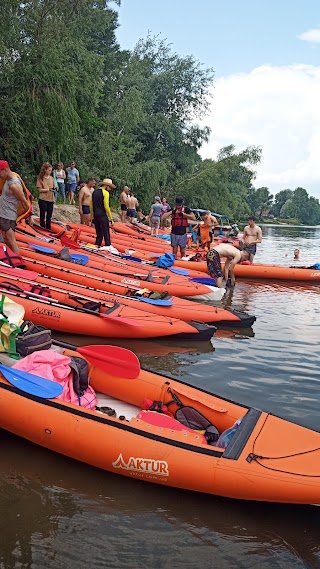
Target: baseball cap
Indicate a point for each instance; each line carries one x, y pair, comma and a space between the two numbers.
3, 164
179, 200
158, 199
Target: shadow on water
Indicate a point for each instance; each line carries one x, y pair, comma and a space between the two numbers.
63, 514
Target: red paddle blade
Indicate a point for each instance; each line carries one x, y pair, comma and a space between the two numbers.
113, 360
30, 275
64, 240
120, 320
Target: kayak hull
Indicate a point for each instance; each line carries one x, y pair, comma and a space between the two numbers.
250, 468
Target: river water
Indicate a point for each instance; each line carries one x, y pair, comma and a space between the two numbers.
59, 513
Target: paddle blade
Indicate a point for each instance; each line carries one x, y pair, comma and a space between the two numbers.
131, 258
30, 275
157, 302
30, 383
204, 280
79, 257
113, 360
41, 249
183, 272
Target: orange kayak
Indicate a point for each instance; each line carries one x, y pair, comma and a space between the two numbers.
173, 307
266, 458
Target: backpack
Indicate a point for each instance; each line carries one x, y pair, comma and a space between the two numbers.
79, 367
165, 260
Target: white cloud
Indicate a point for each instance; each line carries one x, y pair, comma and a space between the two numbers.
311, 36
277, 108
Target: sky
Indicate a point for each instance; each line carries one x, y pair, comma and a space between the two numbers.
266, 91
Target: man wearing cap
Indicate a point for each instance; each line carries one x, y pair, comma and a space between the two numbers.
100, 211
155, 215
12, 195
180, 218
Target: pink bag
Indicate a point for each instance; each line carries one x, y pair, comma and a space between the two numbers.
54, 366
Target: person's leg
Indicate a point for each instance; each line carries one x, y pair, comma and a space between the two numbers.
183, 244
157, 225
106, 231
71, 197
9, 238
99, 233
43, 209
49, 215
214, 267
62, 189
174, 244
86, 218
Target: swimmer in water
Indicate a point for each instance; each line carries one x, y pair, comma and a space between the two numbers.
296, 254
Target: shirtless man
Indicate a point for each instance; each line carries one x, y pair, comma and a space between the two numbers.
84, 200
133, 205
12, 194
252, 235
207, 223
232, 255
124, 203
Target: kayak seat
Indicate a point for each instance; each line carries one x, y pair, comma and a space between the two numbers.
191, 418
242, 434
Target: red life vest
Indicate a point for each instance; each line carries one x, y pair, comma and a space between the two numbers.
177, 219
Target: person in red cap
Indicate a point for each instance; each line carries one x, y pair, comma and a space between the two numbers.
12, 194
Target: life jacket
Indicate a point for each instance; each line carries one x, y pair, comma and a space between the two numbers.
177, 220
10, 258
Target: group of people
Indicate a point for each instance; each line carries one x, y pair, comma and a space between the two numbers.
94, 205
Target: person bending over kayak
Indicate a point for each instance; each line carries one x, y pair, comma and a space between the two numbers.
101, 213
232, 255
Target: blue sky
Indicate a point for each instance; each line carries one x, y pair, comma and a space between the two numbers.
266, 57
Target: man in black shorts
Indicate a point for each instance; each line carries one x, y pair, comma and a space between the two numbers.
124, 203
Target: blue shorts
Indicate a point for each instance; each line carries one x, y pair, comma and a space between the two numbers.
252, 248
85, 209
71, 187
131, 212
214, 264
179, 240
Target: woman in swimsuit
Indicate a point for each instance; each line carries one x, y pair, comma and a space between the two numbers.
84, 200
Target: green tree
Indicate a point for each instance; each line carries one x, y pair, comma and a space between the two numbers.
259, 199
280, 199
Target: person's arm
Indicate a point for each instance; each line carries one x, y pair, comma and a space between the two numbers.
151, 212
166, 215
259, 235
80, 199
18, 192
214, 221
106, 204
189, 215
78, 177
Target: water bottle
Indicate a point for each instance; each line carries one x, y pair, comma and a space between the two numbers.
227, 435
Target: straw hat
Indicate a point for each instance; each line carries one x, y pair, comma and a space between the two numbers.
108, 182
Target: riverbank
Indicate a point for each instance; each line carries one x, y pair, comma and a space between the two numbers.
67, 213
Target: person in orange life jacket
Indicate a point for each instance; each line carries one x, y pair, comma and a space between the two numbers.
100, 211
180, 218
12, 194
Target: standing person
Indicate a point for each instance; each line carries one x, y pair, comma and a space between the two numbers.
12, 194
100, 211
233, 256
60, 176
154, 216
133, 205
73, 179
46, 188
123, 203
252, 235
165, 208
84, 200
180, 218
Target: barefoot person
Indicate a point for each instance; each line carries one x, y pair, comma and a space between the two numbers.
12, 194
232, 255
252, 235
124, 203
84, 200
180, 218
133, 205
100, 211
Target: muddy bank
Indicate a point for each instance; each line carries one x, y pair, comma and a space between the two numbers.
66, 213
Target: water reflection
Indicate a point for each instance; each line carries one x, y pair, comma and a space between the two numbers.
62, 515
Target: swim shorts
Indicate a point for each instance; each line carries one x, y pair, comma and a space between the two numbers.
252, 248
6, 224
179, 240
85, 209
123, 207
131, 212
214, 264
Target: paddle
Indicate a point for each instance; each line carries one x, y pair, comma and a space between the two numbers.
78, 257
64, 240
31, 275
183, 272
111, 359
204, 280
157, 302
41, 249
30, 383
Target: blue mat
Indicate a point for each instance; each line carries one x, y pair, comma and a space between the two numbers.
204, 280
